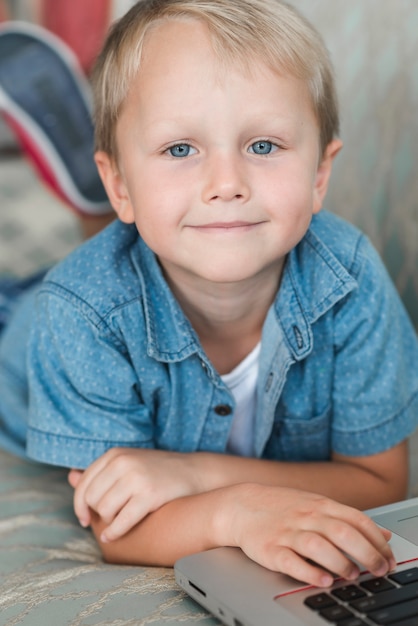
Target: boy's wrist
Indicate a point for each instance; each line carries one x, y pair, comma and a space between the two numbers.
224, 514
203, 466
230, 513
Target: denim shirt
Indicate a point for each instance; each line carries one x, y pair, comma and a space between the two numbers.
113, 361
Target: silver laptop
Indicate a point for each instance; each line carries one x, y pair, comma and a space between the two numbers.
241, 593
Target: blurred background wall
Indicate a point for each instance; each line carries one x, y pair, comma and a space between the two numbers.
374, 47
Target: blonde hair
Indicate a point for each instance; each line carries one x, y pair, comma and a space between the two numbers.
241, 31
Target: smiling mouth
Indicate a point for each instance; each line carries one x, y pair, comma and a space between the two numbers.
226, 227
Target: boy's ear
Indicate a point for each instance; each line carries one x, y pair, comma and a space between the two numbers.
324, 172
115, 186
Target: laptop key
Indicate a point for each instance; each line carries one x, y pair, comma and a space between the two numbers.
336, 613
355, 621
348, 592
395, 614
412, 621
406, 577
386, 598
377, 585
319, 601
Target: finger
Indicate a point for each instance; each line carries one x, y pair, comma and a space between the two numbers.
317, 548
88, 481
377, 536
84, 495
92, 485
113, 501
81, 508
366, 528
370, 529
74, 477
286, 561
131, 514
358, 546
83, 514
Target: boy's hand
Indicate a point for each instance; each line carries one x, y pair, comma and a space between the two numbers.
304, 535
125, 484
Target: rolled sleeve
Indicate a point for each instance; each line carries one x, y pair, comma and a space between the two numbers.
83, 392
376, 365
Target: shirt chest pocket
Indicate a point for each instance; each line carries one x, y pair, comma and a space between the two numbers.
296, 439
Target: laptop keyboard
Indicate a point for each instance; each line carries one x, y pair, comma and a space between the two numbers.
389, 600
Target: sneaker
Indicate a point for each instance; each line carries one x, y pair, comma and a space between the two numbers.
46, 100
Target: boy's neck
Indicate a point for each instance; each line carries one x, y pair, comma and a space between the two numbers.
228, 318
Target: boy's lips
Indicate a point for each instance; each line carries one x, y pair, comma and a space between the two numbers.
226, 226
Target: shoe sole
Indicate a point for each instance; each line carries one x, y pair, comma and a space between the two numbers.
59, 141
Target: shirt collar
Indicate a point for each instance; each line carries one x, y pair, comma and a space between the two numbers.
169, 333
314, 280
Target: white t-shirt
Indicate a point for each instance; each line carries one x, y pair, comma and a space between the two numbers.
242, 382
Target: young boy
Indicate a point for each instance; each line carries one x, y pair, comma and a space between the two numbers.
224, 351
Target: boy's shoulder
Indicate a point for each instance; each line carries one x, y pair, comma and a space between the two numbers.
327, 265
100, 271
335, 233
340, 245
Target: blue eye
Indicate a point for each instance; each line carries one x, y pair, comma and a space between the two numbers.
262, 147
180, 150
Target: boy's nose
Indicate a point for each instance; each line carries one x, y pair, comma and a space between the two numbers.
225, 180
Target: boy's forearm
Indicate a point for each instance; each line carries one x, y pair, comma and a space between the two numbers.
360, 482
273, 526
196, 519
180, 527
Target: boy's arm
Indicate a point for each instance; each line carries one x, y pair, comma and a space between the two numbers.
124, 485
362, 482
277, 527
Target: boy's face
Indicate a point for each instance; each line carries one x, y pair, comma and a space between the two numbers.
220, 169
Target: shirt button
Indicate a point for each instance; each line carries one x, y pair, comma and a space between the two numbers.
223, 409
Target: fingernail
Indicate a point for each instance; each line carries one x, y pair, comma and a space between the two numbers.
103, 538
326, 581
83, 522
382, 570
392, 563
353, 574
